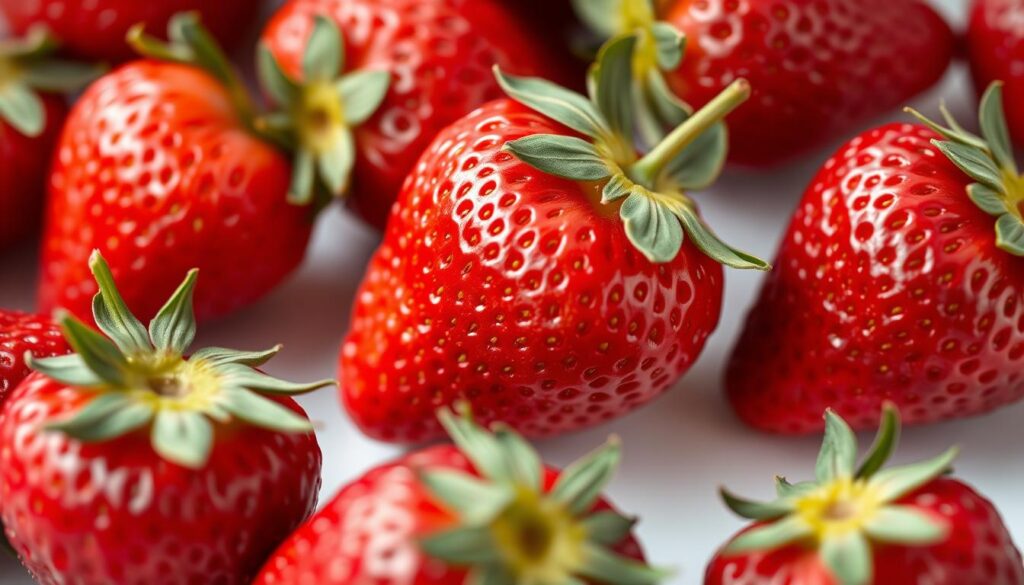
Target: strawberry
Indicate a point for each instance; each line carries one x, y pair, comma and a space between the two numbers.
995, 44
539, 267
411, 67
892, 285
819, 69
158, 168
861, 525
127, 462
485, 511
32, 112
95, 30
21, 333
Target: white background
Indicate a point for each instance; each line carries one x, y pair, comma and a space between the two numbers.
678, 451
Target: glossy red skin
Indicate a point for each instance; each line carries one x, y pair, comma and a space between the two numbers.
979, 550
21, 333
114, 512
440, 54
95, 30
518, 291
156, 170
24, 162
995, 45
888, 286
818, 68
369, 533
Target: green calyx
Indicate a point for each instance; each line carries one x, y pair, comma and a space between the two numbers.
848, 508
514, 531
28, 66
139, 378
650, 190
317, 115
988, 159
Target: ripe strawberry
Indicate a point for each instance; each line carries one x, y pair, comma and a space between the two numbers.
892, 286
32, 112
158, 168
862, 525
819, 69
21, 333
127, 462
95, 30
995, 43
485, 511
537, 266
425, 63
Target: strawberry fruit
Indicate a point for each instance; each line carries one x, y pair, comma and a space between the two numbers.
539, 267
411, 67
128, 462
485, 511
858, 525
995, 44
891, 285
21, 334
818, 69
95, 30
159, 168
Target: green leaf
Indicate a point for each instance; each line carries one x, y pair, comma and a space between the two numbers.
669, 44
557, 103
616, 188
885, 442
608, 528
580, 485
523, 461
361, 94
976, 163
848, 558
281, 88
184, 28
563, 156
22, 108
651, 226
183, 437
987, 199
476, 501
471, 545
706, 240
97, 352
614, 75
658, 109
66, 369
324, 57
112, 314
243, 376
896, 482
993, 128
219, 356
174, 327
601, 16
492, 575
300, 192
955, 132
770, 536
838, 455
60, 76
906, 525
263, 412
479, 446
603, 566
756, 510
1010, 234
784, 489
335, 164
700, 164
106, 417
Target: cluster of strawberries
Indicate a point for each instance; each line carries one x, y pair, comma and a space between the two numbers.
543, 269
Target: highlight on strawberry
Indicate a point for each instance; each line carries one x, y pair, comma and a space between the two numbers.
119, 457
868, 524
486, 510
542, 264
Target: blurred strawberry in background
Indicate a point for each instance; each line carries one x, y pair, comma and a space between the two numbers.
995, 42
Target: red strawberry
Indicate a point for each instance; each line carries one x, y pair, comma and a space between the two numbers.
892, 285
32, 112
20, 334
127, 462
818, 69
158, 168
862, 525
995, 41
431, 63
523, 270
95, 29
486, 511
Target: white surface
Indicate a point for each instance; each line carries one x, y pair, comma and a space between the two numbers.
677, 451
